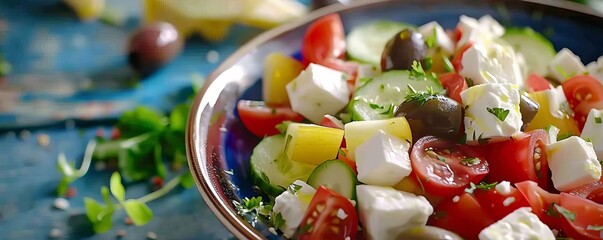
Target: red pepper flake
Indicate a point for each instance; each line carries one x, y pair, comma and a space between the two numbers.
128, 221
71, 192
156, 182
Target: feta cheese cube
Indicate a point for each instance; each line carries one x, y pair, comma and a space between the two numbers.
483, 31
317, 91
503, 188
593, 131
565, 65
293, 205
442, 40
385, 212
493, 63
520, 224
491, 110
595, 69
383, 160
573, 163
558, 105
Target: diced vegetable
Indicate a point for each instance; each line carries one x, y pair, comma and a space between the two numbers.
358, 132
312, 144
367, 41
545, 117
535, 48
279, 70
335, 175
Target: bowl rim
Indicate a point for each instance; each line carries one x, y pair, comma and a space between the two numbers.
195, 150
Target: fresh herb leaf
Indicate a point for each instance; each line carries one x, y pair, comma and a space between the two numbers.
547, 128
68, 171
186, 181
428, 63
117, 189
588, 140
471, 188
375, 106
566, 213
447, 64
499, 113
469, 82
564, 73
293, 188
418, 73
141, 120
463, 139
276, 220
550, 211
99, 215
598, 120
138, 211
420, 97
564, 136
389, 111
342, 152
486, 186
470, 161
179, 117
430, 40
482, 140
282, 127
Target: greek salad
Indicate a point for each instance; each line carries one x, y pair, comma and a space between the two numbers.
396, 131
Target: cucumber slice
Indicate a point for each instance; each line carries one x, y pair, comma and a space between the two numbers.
377, 98
335, 175
535, 48
367, 41
271, 172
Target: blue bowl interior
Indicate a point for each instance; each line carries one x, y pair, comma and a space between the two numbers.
580, 34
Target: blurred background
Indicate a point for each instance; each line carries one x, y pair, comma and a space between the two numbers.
120, 73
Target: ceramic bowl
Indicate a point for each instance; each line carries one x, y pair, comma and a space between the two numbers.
217, 142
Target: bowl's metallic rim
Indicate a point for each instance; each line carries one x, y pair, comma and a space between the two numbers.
239, 227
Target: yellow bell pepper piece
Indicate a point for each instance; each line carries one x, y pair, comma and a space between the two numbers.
567, 126
312, 144
357, 133
279, 70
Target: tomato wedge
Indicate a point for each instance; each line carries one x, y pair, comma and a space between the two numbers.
457, 60
465, 217
321, 220
537, 83
583, 219
261, 120
324, 44
541, 202
519, 159
499, 205
444, 168
454, 84
592, 191
582, 88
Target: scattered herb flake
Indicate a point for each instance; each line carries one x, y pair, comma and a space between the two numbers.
550, 211
447, 64
564, 136
470, 161
375, 106
293, 188
430, 40
428, 63
276, 220
282, 127
486, 186
482, 140
566, 213
499, 113
598, 120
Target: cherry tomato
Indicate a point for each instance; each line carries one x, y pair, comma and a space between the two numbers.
321, 221
591, 191
587, 217
330, 121
541, 202
262, 120
324, 43
445, 168
343, 156
457, 60
519, 159
465, 217
493, 202
454, 84
538, 83
582, 88
581, 112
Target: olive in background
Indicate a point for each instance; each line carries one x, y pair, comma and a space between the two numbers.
153, 46
402, 50
438, 116
528, 109
427, 233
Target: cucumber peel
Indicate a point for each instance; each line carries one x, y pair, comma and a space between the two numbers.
536, 49
365, 43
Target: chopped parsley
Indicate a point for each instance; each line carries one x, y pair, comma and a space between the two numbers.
471, 161
447, 64
588, 140
375, 106
282, 127
469, 82
420, 97
564, 136
481, 140
550, 211
418, 73
499, 113
547, 128
566, 213
430, 41
294, 188
428, 63
486, 186
598, 120
276, 220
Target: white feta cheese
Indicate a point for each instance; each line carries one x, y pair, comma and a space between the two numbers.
483, 31
491, 110
456, 199
558, 105
442, 41
552, 132
573, 163
565, 65
521, 224
595, 69
593, 131
293, 206
385, 212
508, 201
317, 91
503, 188
383, 160
493, 63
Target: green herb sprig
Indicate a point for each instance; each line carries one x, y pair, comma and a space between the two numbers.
67, 169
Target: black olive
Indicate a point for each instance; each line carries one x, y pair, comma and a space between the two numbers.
152, 46
438, 116
427, 233
528, 109
402, 50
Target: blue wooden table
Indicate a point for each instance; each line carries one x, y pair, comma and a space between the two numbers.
52, 53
